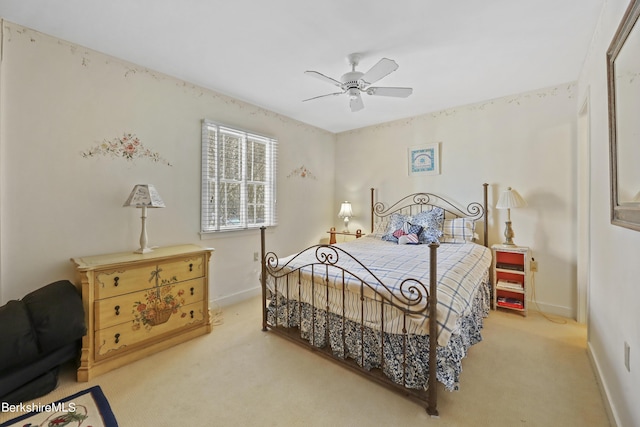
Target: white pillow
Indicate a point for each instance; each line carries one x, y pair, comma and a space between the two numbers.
403, 240
380, 227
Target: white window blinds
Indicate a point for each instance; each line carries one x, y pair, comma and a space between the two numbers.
238, 179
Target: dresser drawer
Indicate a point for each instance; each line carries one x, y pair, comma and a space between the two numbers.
125, 336
109, 283
127, 308
179, 270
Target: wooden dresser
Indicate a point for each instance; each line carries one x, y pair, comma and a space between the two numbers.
138, 304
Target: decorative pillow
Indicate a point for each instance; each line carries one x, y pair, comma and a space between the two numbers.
458, 230
408, 239
396, 221
411, 233
399, 232
431, 222
408, 233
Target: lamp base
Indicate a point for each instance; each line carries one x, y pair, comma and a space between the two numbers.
508, 234
143, 251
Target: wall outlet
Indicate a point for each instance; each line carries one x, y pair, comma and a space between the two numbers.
256, 256
627, 350
534, 265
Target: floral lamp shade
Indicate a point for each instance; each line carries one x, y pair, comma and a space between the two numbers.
144, 196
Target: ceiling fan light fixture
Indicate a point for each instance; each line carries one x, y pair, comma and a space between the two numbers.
354, 83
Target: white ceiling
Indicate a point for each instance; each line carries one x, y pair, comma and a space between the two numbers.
452, 52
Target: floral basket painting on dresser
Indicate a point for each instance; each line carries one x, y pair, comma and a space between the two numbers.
159, 305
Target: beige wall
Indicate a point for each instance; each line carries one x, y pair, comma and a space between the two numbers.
526, 141
614, 298
59, 100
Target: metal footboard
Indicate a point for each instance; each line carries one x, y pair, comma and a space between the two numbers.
325, 305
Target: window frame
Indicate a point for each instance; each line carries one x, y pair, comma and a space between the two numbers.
212, 220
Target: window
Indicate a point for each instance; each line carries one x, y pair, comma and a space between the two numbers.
238, 179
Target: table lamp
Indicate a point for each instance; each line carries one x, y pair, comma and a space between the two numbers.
345, 212
144, 196
510, 199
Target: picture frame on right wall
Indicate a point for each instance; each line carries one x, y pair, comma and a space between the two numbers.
424, 159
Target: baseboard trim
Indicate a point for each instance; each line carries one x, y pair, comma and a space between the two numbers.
235, 298
604, 391
557, 310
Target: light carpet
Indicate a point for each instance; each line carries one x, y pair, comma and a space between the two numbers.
527, 371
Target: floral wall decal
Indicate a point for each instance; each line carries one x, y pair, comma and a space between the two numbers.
127, 147
301, 172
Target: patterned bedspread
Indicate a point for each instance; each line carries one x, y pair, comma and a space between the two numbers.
462, 268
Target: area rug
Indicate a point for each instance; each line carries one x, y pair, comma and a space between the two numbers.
86, 408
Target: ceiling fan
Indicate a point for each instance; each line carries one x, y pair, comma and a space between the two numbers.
354, 83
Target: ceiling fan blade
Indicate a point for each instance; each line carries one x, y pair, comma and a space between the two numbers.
324, 78
399, 92
356, 103
382, 68
322, 96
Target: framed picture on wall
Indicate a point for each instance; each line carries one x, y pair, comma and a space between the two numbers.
424, 159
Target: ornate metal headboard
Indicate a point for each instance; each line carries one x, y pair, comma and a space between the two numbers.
419, 202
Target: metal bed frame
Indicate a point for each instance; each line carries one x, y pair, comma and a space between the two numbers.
411, 300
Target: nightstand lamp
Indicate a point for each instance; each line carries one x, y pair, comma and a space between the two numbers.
144, 196
345, 212
510, 199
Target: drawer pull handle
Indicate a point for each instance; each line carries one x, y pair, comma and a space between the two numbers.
191, 313
117, 308
117, 336
192, 291
190, 267
115, 281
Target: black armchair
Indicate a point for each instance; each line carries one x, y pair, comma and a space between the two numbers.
38, 333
